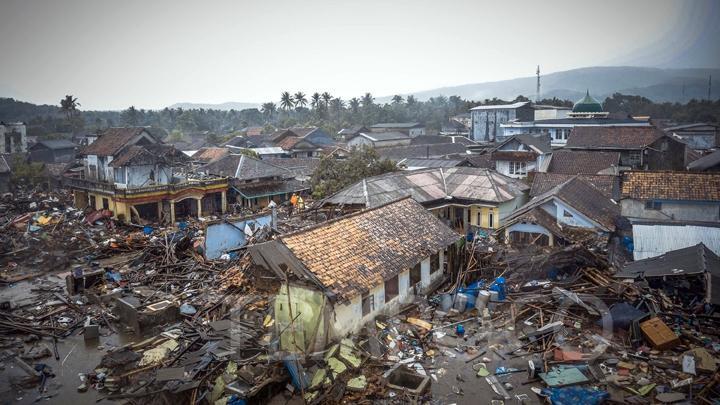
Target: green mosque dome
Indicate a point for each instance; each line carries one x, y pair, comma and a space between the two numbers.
587, 105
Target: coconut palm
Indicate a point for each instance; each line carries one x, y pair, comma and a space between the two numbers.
337, 105
315, 100
367, 100
397, 99
354, 105
411, 100
286, 101
69, 106
300, 100
268, 110
326, 98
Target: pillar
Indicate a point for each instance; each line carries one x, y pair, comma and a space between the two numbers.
223, 201
199, 206
172, 212
159, 214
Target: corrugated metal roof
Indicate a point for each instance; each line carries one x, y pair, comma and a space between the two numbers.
690, 260
466, 183
654, 239
500, 106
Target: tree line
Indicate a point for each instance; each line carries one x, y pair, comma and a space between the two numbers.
320, 109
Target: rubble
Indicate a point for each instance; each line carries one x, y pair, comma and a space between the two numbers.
164, 323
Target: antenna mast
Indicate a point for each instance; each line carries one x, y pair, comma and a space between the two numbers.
537, 91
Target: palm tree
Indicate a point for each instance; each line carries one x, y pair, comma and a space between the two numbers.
337, 105
411, 100
268, 110
300, 100
326, 98
69, 106
286, 101
354, 105
315, 100
397, 99
367, 100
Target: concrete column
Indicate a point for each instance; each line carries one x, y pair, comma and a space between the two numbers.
199, 207
172, 212
223, 201
159, 214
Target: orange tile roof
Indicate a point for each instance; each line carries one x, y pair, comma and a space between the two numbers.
353, 254
645, 185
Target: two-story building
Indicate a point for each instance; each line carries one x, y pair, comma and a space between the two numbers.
521, 154
131, 173
487, 120
645, 148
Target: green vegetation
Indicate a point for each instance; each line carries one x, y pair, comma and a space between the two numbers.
333, 175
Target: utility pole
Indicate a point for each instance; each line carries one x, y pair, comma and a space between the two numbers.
709, 88
537, 91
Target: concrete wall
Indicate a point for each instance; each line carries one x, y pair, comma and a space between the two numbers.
565, 214
508, 207
13, 138
309, 308
672, 210
223, 236
359, 141
484, 214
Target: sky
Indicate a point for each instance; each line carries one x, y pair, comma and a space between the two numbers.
152, 54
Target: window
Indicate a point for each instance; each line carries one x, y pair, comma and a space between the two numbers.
106, 204
92, 202
392, 288
415, 275
491, 220
120, 175
653, 205
567, 214
479, 219
368, 303
518, 168
633, 158
434, 263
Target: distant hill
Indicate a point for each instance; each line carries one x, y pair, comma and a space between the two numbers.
659, 85
231, 105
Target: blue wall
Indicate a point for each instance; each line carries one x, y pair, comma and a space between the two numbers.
221, 237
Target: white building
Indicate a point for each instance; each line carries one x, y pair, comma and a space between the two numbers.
487, 120
379, 139
13, 137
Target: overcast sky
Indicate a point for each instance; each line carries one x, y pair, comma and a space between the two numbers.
151, 54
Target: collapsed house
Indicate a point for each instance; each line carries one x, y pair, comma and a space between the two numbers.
131, 173
336, 276
254, 182
567, 213
465, 198
679, 272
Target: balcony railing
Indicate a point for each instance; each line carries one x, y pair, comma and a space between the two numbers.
94, 185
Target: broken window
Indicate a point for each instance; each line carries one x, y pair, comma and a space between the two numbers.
106, 204
368, 303
434, 263
92, 202
415, 275
392, 288
653, 205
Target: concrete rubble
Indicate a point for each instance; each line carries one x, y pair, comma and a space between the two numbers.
532, 325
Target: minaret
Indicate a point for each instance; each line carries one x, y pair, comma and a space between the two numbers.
709, 88
537, 90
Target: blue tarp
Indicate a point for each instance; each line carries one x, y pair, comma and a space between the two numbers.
575, 396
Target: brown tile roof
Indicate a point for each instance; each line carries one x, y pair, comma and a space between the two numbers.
607, 184
565, 161
112, 140
514, 156
613, 137
352, 254
694, 186
210, 154
148, 155
579, 195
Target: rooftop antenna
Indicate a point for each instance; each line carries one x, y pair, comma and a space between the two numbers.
709, 88
537, 90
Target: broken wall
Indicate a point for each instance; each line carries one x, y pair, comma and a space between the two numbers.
222, 237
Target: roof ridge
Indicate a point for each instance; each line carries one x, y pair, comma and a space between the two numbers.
334, 220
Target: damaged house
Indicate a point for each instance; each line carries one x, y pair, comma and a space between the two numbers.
465, 198
571, 212
520, 154
338, 275
131, 173
679, 272
254, 182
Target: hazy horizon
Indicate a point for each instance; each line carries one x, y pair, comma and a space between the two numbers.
154, 55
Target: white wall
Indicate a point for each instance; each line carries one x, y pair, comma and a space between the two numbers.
359, 141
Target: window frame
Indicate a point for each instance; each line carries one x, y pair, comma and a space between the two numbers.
391, 293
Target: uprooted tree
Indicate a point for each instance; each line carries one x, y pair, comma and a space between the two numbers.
333, 175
